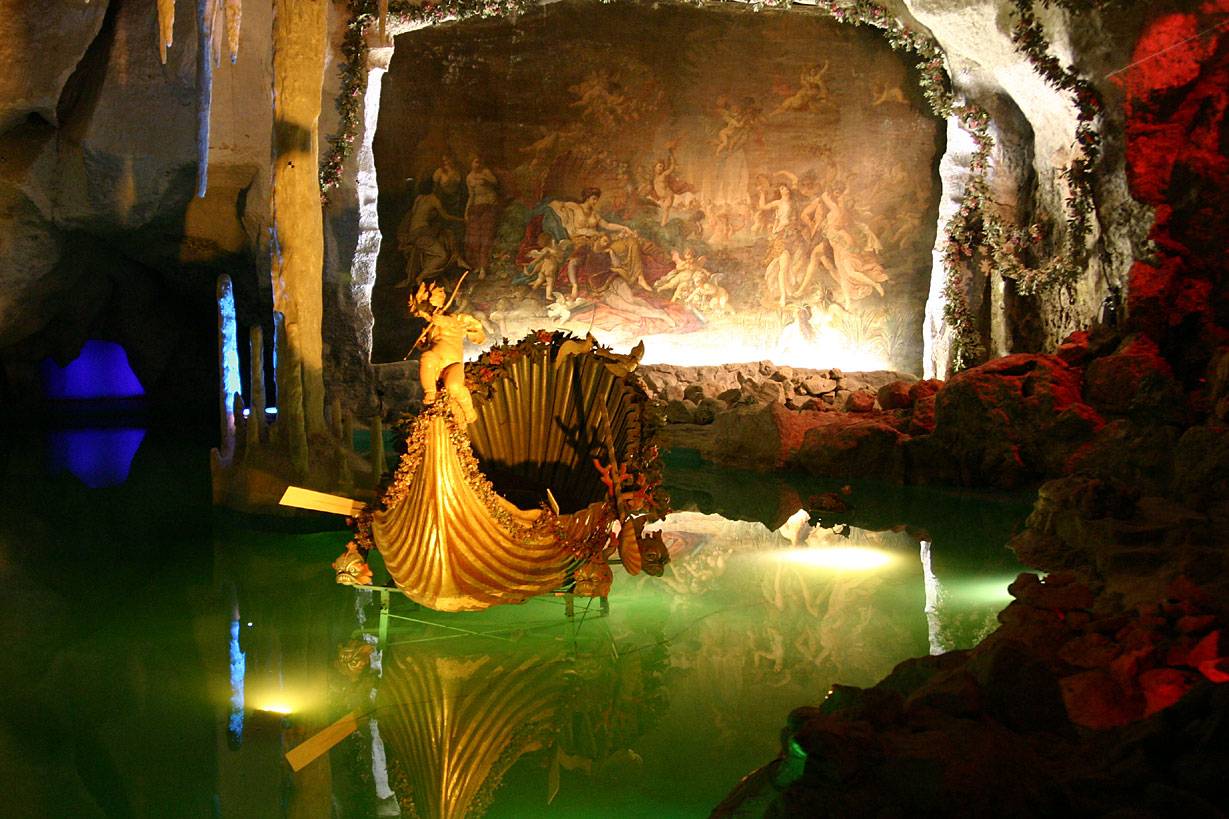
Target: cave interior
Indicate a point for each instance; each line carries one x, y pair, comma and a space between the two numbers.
925, 310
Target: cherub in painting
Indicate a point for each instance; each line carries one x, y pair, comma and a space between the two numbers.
667, 188
886, 93
682, 278
602, 99
812, 91
740, 120
546, 262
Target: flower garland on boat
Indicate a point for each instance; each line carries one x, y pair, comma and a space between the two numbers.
975, 227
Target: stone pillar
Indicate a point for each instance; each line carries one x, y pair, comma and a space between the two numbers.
300, 41
228, 367
954, 176
256, 405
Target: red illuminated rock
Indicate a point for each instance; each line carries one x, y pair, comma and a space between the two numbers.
1163, 687
1114, 382
922, 421
852, 446
924, 389
1094, 699
1013, 420
860, 402
896, 395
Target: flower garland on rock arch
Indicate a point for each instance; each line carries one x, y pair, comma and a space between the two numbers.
975, 228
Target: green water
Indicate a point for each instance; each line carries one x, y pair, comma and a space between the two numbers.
150, 643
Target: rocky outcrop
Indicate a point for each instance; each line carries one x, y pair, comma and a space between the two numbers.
762, 382
1011, 421
1063, 710
1008, 423
41, 52
97, 163
857, 447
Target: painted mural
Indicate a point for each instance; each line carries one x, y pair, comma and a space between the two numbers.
726, 186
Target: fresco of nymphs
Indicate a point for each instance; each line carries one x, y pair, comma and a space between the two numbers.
725, 186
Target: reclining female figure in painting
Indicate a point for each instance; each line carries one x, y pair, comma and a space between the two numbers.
443, 341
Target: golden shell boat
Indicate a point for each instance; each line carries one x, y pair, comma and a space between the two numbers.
555, 477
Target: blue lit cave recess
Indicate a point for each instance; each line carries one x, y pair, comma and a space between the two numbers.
98, 385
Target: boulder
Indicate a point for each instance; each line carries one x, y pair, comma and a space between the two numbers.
680, 412
1201, 466
764, 392
1013, 420
871, 380
895, 395
707, 410
848, 446
1128, 378
817, 385
762, 436
693, 393
924, 389
1142, 455
860, 401
922, 422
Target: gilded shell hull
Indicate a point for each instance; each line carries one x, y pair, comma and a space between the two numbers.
553, 415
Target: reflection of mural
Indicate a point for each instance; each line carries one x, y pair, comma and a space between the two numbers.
677, 173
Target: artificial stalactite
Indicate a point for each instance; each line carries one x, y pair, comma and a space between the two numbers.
166, 26
205, 18
216, 19
234, 17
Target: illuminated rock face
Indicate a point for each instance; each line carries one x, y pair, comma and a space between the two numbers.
40, 52
1034, 126
1176, 107
103, 236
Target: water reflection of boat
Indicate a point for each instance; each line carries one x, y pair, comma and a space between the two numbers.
453, 720
555, 475
453, 725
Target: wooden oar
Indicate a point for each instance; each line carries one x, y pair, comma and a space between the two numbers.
300, 498
309, 750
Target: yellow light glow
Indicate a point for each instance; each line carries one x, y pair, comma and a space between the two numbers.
725, 345
282, 708
839, 558
980, 592
734, 340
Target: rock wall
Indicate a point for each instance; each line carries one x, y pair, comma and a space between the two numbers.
104, 237
97, 164
1034, 128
